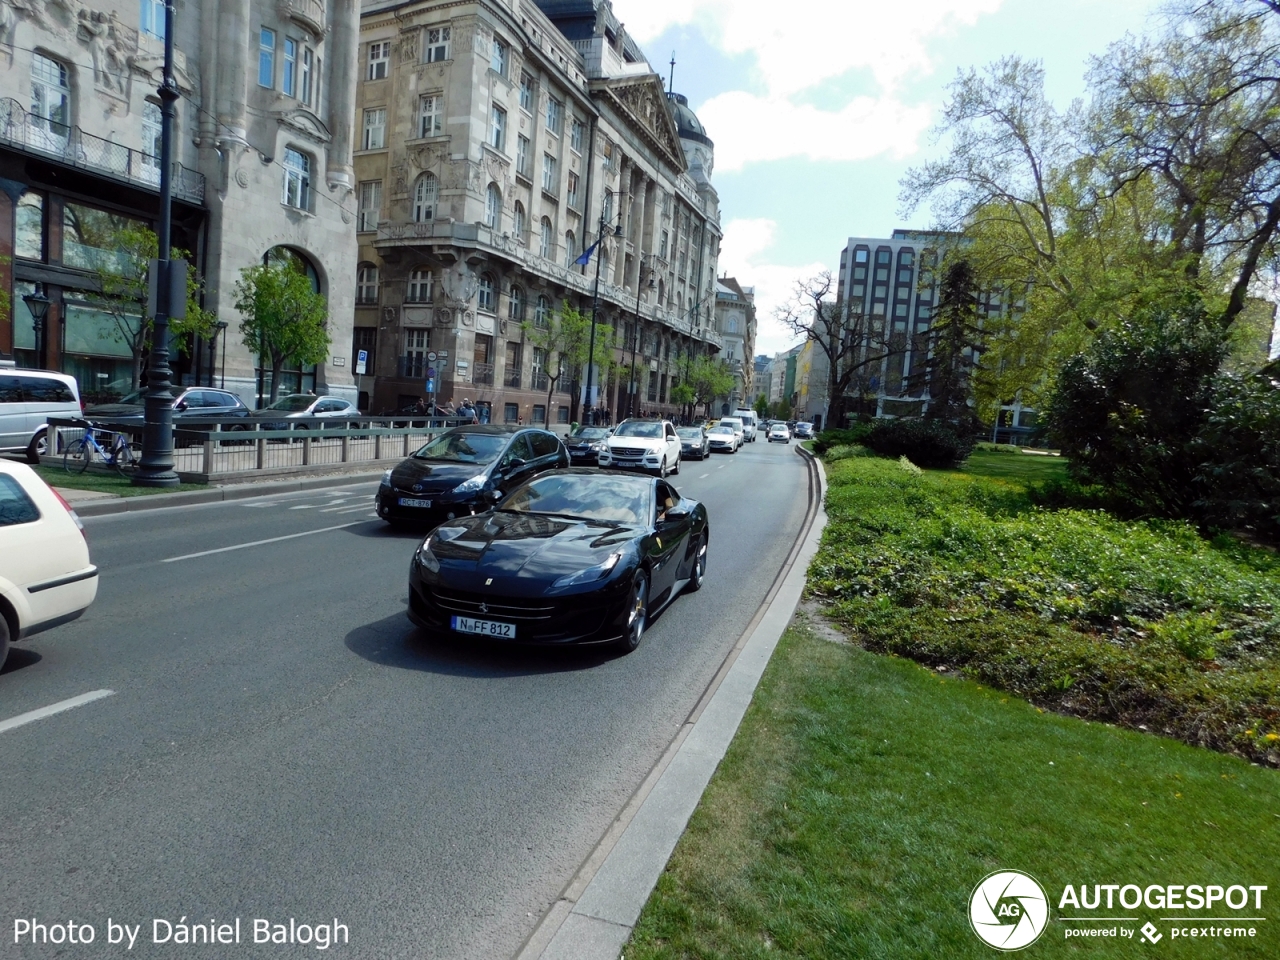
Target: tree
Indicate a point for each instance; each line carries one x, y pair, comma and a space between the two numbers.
955, 341
283, 317
709, 377
566, 341
761, 406
856, 346
122, 281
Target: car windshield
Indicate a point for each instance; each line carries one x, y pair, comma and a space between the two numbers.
463, 447
590, 433
638, 428
720, 431
292, 404
593, 496
690, 433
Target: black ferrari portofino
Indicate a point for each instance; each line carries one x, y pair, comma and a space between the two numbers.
570, 557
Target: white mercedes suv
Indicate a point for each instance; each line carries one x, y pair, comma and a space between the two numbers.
643, 445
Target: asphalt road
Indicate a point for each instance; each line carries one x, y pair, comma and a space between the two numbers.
281, 743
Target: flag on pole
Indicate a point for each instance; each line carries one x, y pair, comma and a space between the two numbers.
585, 259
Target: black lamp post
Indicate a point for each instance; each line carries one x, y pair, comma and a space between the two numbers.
38, 306
155, 469
222, 355
595, 301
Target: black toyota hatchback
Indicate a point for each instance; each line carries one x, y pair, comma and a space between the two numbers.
465, 471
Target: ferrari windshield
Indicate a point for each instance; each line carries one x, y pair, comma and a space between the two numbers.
638, 428
464, 447
592, 496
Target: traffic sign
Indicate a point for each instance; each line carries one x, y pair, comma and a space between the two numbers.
362, 360
431, 355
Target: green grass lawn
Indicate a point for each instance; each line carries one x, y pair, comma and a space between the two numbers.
864, 797
103, 482
1023, 467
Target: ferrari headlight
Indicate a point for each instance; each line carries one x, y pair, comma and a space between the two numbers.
591, 574
474, 485
427, 558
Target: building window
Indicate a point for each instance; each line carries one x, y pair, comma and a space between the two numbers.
515, 305
526, 92
420, 286
151, 132
375, 128
537, 368
364, 338
485, 300
366, 283
308, 74
518, 224
608, 154
437, 46
539, 413
522, 156
606, 206
289, 78
573, 191
297, 179
267, 58
498, 58
577, 135
549, 179
413, 361
498, 128
570, 245
545, 243
493, 207
662, 246
430, 115
510, 412
562, 415
541, 316
151, 18
28, 235
379, 60
370, 204
424, 198
555, 116
860, 256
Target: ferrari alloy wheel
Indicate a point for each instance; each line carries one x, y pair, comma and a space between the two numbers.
699, 571
637, 613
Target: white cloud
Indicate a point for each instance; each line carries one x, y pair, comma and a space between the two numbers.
742, 254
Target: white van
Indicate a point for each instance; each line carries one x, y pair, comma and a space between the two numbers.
750, 423
27, 399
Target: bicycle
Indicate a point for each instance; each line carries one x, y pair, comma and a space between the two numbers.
123, 455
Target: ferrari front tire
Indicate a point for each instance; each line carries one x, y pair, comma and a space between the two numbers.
637, 613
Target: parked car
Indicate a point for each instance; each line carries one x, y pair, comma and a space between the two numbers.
573, 557
804, 430
190, 403
693, 442
464, 471
723, 439
584, 445
28, 398
299, 406
643, 445
46, 578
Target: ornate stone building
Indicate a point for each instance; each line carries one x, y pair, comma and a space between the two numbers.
262, 152
493, 137
736, 323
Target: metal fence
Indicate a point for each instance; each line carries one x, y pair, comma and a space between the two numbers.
213, 450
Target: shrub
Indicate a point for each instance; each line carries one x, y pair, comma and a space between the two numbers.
1238, 446
847, 436
926, 443
845, 451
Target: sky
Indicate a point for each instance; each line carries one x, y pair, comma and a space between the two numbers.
818, 108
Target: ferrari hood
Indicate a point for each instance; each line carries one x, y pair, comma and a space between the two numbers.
524, 546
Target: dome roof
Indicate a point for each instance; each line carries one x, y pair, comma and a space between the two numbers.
687, 121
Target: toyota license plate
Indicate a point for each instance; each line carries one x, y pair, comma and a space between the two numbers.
412, 502
486, 628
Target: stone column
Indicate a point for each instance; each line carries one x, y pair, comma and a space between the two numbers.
344, 56
624, 185
232, 67
638, 213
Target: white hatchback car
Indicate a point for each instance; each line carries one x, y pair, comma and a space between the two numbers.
780, 433
46, 578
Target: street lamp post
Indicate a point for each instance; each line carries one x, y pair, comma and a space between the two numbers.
155, 469
222, 356
38, 306
595, 301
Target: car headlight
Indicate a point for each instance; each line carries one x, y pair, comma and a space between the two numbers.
386, 479
474, 485
426, 558
591, 574
599, 447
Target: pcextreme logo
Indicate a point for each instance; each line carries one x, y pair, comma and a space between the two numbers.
1008, 910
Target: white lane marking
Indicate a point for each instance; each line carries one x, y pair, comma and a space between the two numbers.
722, 466
349, 509
258, 543
704, 476
32, 715
313, 506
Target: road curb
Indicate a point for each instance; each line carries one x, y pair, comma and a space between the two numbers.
239, 491
594, 916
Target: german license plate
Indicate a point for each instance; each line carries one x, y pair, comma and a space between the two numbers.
411, 502
486, 628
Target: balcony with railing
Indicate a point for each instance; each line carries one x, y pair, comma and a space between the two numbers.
72, 146
309, 13
482, 373
603, 61
511, 378
539, 381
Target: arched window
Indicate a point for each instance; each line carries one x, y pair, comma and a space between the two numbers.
151, 121
486, 292
515, 305
297, 179
546, 243
493, 207
288, 257
570, 246
420, 286
542, 312
366, 283
424, 198
662, 293
50, 99
518, 223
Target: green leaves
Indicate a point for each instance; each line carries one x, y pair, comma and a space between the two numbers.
283, 317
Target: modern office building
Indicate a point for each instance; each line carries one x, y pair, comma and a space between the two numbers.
493, 138
262, 168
